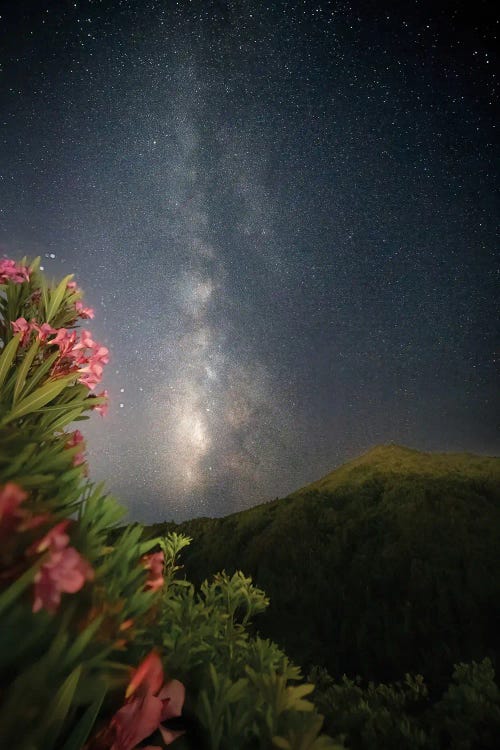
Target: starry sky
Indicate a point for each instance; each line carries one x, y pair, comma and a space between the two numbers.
284, 214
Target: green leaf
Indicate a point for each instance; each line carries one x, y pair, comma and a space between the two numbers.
41, 371
35, 265
83, 640
80, 733
7, 357
66, 419
144, 547
58, 710
45, 294
39, 398
24, 369
11, 593
300, 691
57, 297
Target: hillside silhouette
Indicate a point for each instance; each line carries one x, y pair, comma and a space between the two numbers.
389, 564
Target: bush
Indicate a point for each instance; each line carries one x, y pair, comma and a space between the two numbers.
402, 715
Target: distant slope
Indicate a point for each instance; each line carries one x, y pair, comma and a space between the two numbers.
395, 460
386, 565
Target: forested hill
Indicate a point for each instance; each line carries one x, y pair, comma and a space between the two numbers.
389, 564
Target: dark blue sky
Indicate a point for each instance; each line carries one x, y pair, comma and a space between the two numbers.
285, 216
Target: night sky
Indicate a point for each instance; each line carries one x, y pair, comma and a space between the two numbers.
284, 215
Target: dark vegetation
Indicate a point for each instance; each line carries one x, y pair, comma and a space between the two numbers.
402, 716
387, 566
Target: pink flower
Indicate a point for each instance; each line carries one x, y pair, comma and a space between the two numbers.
56, 539
64, 572
9, 271
11, 497
76, 438
86, 341
44, 331
12, 516
84, 312
154, 564
149, 702
93, 369
65, 340
72, 286
84, 356
102, 409
22, 326
91, 374
101, 354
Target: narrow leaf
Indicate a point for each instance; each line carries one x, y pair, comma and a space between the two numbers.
16, 589
65, 419
41, 371
24, 369
59, 708
57, 297
80, 733
35, 265
83, 640
7, 357
39, 398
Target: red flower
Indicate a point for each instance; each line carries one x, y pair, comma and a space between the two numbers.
149, 702
154, 564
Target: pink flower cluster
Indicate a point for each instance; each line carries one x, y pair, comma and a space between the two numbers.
9, 271
79, 355
25, 328
83, 355
149, 702
64, 570
154, 565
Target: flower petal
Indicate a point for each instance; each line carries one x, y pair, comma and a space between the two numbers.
172, 696
148, 676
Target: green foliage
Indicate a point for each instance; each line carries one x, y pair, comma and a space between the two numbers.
241, 688
391, 564
401, 716
55, 668
468, 714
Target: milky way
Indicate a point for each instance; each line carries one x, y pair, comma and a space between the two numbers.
284, 215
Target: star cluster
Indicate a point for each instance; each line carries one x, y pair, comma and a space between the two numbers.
284, 214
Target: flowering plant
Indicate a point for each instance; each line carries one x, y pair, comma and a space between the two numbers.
71, 604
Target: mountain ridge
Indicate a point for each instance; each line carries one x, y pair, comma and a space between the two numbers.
391, 458
389, 564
